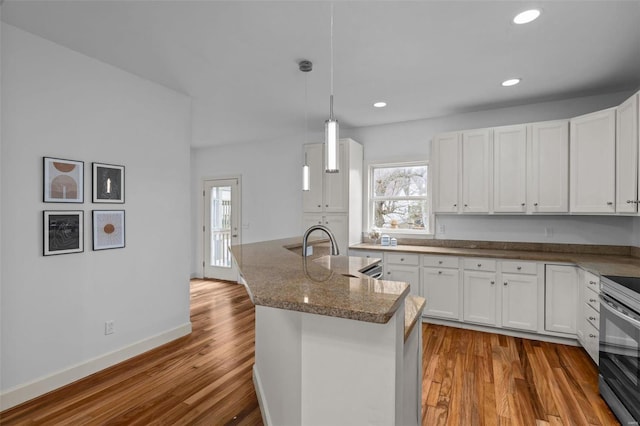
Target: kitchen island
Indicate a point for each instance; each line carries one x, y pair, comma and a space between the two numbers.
333, 346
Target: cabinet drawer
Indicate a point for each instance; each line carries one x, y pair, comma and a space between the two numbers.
402, 258
592, 299
480, 264
592, 282
366, 253
592, 316
440, 261
592, 341
515, 267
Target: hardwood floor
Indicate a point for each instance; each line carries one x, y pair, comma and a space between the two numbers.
470, 378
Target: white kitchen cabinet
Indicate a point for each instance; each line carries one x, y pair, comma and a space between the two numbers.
519, 301
548, 167
480, 297
627, 160
589, 314
561, 298
441, 286
335, 199
510, 169
399, 266
445, 163
476, 171
337, 223
592, 162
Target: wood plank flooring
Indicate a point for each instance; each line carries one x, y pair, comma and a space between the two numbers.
470, 378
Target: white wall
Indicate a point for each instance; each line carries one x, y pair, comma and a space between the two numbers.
56, 102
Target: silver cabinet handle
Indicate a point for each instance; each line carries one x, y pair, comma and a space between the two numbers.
479, 265
592, 318
592, 300
519, 268
402, 259
235, 235
439, 272
389, 273
455, 205
319, 205
609, 203
493, 282
326, 205
592, 282
523, 204
630, 201
593, 336
535, 204
466, 205
505, 283
439, 262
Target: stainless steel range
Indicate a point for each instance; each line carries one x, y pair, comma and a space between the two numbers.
619, 368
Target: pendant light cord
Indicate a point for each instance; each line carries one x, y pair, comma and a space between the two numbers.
331, 66
306, 112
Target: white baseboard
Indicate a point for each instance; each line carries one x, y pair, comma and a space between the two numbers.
264, 411
19, 394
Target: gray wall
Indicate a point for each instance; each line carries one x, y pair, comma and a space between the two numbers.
58, 103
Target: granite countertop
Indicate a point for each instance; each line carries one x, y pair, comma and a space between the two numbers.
599, 263
275, 276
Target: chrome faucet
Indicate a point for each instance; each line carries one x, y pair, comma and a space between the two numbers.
334, 245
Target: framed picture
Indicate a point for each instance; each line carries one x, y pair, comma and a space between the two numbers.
108, 183
63, 181
63, 232
108, 229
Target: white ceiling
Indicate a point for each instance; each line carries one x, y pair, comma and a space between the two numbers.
239, 59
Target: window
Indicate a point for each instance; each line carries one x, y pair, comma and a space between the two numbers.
398, 198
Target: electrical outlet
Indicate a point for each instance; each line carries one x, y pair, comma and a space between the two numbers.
109, 327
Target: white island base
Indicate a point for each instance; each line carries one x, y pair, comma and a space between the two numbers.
321, 370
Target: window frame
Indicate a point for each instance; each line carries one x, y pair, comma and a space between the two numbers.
370, 200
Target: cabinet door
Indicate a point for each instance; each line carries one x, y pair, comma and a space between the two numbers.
408, 274
441, 288
308, 220
476, 168
312, 199
627, 156
445, 158
548, 189
592, 157
520, 301
480, 297
336, 185
561, 298
339, 226
510, 169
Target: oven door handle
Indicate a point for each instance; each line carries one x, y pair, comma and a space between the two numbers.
607, 303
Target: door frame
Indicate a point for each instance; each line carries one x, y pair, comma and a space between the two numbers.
202, 219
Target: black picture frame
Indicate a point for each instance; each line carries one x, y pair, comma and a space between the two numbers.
63, 180
108, 183
63, 232
108, 229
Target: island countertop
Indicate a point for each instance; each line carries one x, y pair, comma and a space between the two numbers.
277, 277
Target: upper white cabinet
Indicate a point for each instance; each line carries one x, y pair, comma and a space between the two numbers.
445, 160
627, 160
476, 171
592, 162
335, 199
509, 169
548, 167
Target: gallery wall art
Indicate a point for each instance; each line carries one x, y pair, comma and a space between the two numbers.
63, 232
108, 183
108, 229
63, 181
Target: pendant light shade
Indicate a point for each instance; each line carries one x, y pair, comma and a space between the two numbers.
305, 175
331, 136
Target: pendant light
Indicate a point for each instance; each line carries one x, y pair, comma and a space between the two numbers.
331, 137
305, 67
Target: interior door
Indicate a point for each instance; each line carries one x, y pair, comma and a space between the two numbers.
221, 228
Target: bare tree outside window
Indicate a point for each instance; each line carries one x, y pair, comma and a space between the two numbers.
399, 197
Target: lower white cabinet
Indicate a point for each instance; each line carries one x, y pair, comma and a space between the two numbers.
589, 314
441, 287
403, 267
520, 301
561, 298
480, 297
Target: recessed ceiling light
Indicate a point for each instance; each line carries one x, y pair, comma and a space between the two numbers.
526, 16
511, 82
380, 104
